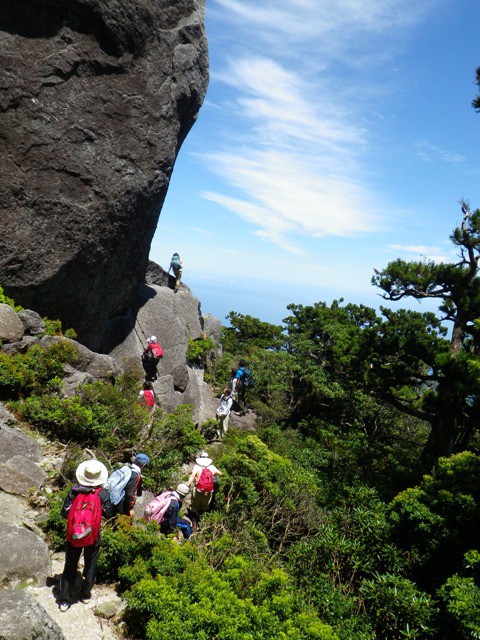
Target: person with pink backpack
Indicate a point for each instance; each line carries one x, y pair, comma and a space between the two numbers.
164, 510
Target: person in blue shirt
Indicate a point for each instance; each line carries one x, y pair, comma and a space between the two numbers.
240, 387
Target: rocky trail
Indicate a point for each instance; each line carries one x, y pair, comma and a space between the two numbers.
28, 567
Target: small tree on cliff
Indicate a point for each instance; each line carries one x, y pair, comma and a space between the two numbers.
448, 383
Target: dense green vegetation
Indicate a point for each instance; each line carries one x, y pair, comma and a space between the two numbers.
352, 513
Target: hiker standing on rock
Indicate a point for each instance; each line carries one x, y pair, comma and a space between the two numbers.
204, 478
176, 266
84, 506
125, 485
150, 359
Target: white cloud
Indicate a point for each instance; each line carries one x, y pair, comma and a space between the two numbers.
414, 248
431, 153
430, 254
293, 154
332, 27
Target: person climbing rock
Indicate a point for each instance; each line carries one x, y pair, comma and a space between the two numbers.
150, 359
223, 413
125, 484
176, 267
165, 510
204, 475
84, 507
147, 396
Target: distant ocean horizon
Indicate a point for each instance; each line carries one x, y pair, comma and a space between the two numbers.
268, 300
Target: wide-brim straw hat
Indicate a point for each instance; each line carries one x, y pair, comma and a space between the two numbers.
91, 473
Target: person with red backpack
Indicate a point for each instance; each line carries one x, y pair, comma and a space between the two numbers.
204, 478
150, 359
84, 507
146, 396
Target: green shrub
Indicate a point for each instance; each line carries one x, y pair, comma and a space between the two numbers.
198, 348
38, 370
55, 526
461, 599
62, 418
438, 521
397, 608
172, 441
173, 592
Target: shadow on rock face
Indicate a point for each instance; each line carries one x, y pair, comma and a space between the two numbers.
97, 98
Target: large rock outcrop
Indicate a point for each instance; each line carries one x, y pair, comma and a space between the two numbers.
95, 100
173, 319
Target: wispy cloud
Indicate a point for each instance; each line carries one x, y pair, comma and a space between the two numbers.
332, 28
430, 153
433, 254
293, 154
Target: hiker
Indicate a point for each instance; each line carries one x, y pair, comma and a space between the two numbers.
223, 412
233, 378
243, 381
150, 359
176, 266
125, 484
84, 506
164, 509
146, 396
204, 477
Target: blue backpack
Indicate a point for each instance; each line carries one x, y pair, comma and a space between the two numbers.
175, 261
117, 482
248, 379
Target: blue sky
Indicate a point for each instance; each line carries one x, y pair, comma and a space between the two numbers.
335, 136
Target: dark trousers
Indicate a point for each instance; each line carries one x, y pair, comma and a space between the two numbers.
72, 556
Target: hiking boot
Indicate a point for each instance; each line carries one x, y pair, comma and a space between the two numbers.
85, 598
64, 606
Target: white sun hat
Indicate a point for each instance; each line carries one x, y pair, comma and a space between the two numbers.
203, 460
91, 473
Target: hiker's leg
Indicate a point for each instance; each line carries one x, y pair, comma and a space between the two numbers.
67, 582
90, 557
184, 527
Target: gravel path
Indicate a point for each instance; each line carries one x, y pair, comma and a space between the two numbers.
80, 621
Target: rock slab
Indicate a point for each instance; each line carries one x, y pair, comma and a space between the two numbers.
23, 555
96, 99
22, 618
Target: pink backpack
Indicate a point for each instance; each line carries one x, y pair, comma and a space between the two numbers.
156, 509
84, 518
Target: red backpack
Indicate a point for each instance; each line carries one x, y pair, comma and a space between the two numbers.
148, 398
157, 350
205, 482
84, 518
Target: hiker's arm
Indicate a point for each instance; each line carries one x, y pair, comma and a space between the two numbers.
191, 478
67, 503
129, 500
